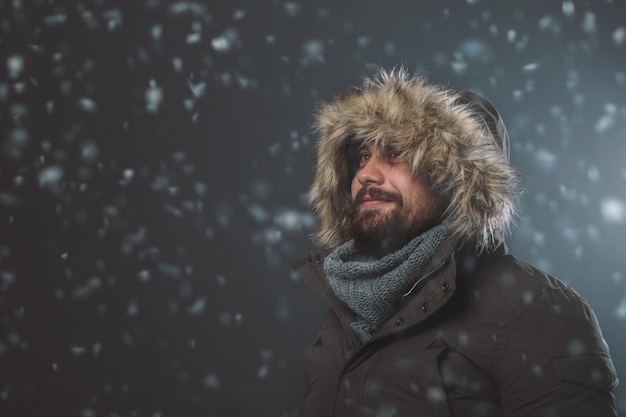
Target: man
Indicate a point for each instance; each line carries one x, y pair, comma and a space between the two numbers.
429, 314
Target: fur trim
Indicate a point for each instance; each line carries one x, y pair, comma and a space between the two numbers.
442, 136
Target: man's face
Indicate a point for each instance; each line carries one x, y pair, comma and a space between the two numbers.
391, 206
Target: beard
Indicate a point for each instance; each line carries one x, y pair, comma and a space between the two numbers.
379, 232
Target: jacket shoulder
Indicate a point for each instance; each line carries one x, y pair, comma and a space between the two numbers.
517, 283
554, 350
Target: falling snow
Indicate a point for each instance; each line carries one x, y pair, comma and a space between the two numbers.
156, 159
614, 210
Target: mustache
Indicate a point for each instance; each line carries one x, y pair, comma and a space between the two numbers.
377, 194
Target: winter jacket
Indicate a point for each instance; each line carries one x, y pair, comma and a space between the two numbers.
486, 336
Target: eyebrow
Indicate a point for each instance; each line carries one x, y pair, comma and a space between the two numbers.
368, 146
365, 145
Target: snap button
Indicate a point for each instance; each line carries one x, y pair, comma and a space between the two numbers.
445, 286
399, 321
425, 307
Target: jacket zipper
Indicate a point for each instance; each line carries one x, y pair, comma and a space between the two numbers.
429, 273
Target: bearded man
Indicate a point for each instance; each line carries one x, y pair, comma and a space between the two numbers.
429, 314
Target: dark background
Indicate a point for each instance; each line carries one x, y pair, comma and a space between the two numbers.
154, 162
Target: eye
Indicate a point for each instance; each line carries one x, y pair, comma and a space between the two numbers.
364, 157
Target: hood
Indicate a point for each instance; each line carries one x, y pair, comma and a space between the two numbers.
454, 138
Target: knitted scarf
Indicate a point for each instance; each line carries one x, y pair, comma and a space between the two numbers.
370, 287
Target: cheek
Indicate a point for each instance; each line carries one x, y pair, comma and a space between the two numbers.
355, 186
421, 193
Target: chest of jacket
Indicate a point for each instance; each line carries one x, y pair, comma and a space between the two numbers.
437, 368
481, 337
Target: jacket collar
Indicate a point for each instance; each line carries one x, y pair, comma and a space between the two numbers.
310, 269
449, 265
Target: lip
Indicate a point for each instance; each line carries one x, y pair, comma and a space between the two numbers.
369, 202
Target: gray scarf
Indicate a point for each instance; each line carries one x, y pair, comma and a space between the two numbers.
370, 287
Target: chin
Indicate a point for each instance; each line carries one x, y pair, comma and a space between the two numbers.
380, 207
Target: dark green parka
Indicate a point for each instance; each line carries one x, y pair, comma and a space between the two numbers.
486, 336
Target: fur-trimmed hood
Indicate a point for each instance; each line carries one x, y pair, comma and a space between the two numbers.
455, 138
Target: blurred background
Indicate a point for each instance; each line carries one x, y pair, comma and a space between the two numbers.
154, 162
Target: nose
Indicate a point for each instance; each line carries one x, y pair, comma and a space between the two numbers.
371, 172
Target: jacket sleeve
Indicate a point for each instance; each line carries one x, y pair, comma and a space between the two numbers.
557, 362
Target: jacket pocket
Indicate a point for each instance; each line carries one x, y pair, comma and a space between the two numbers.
322, 363
592, 369
457, 386
320, 382
431, 380
466, 380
